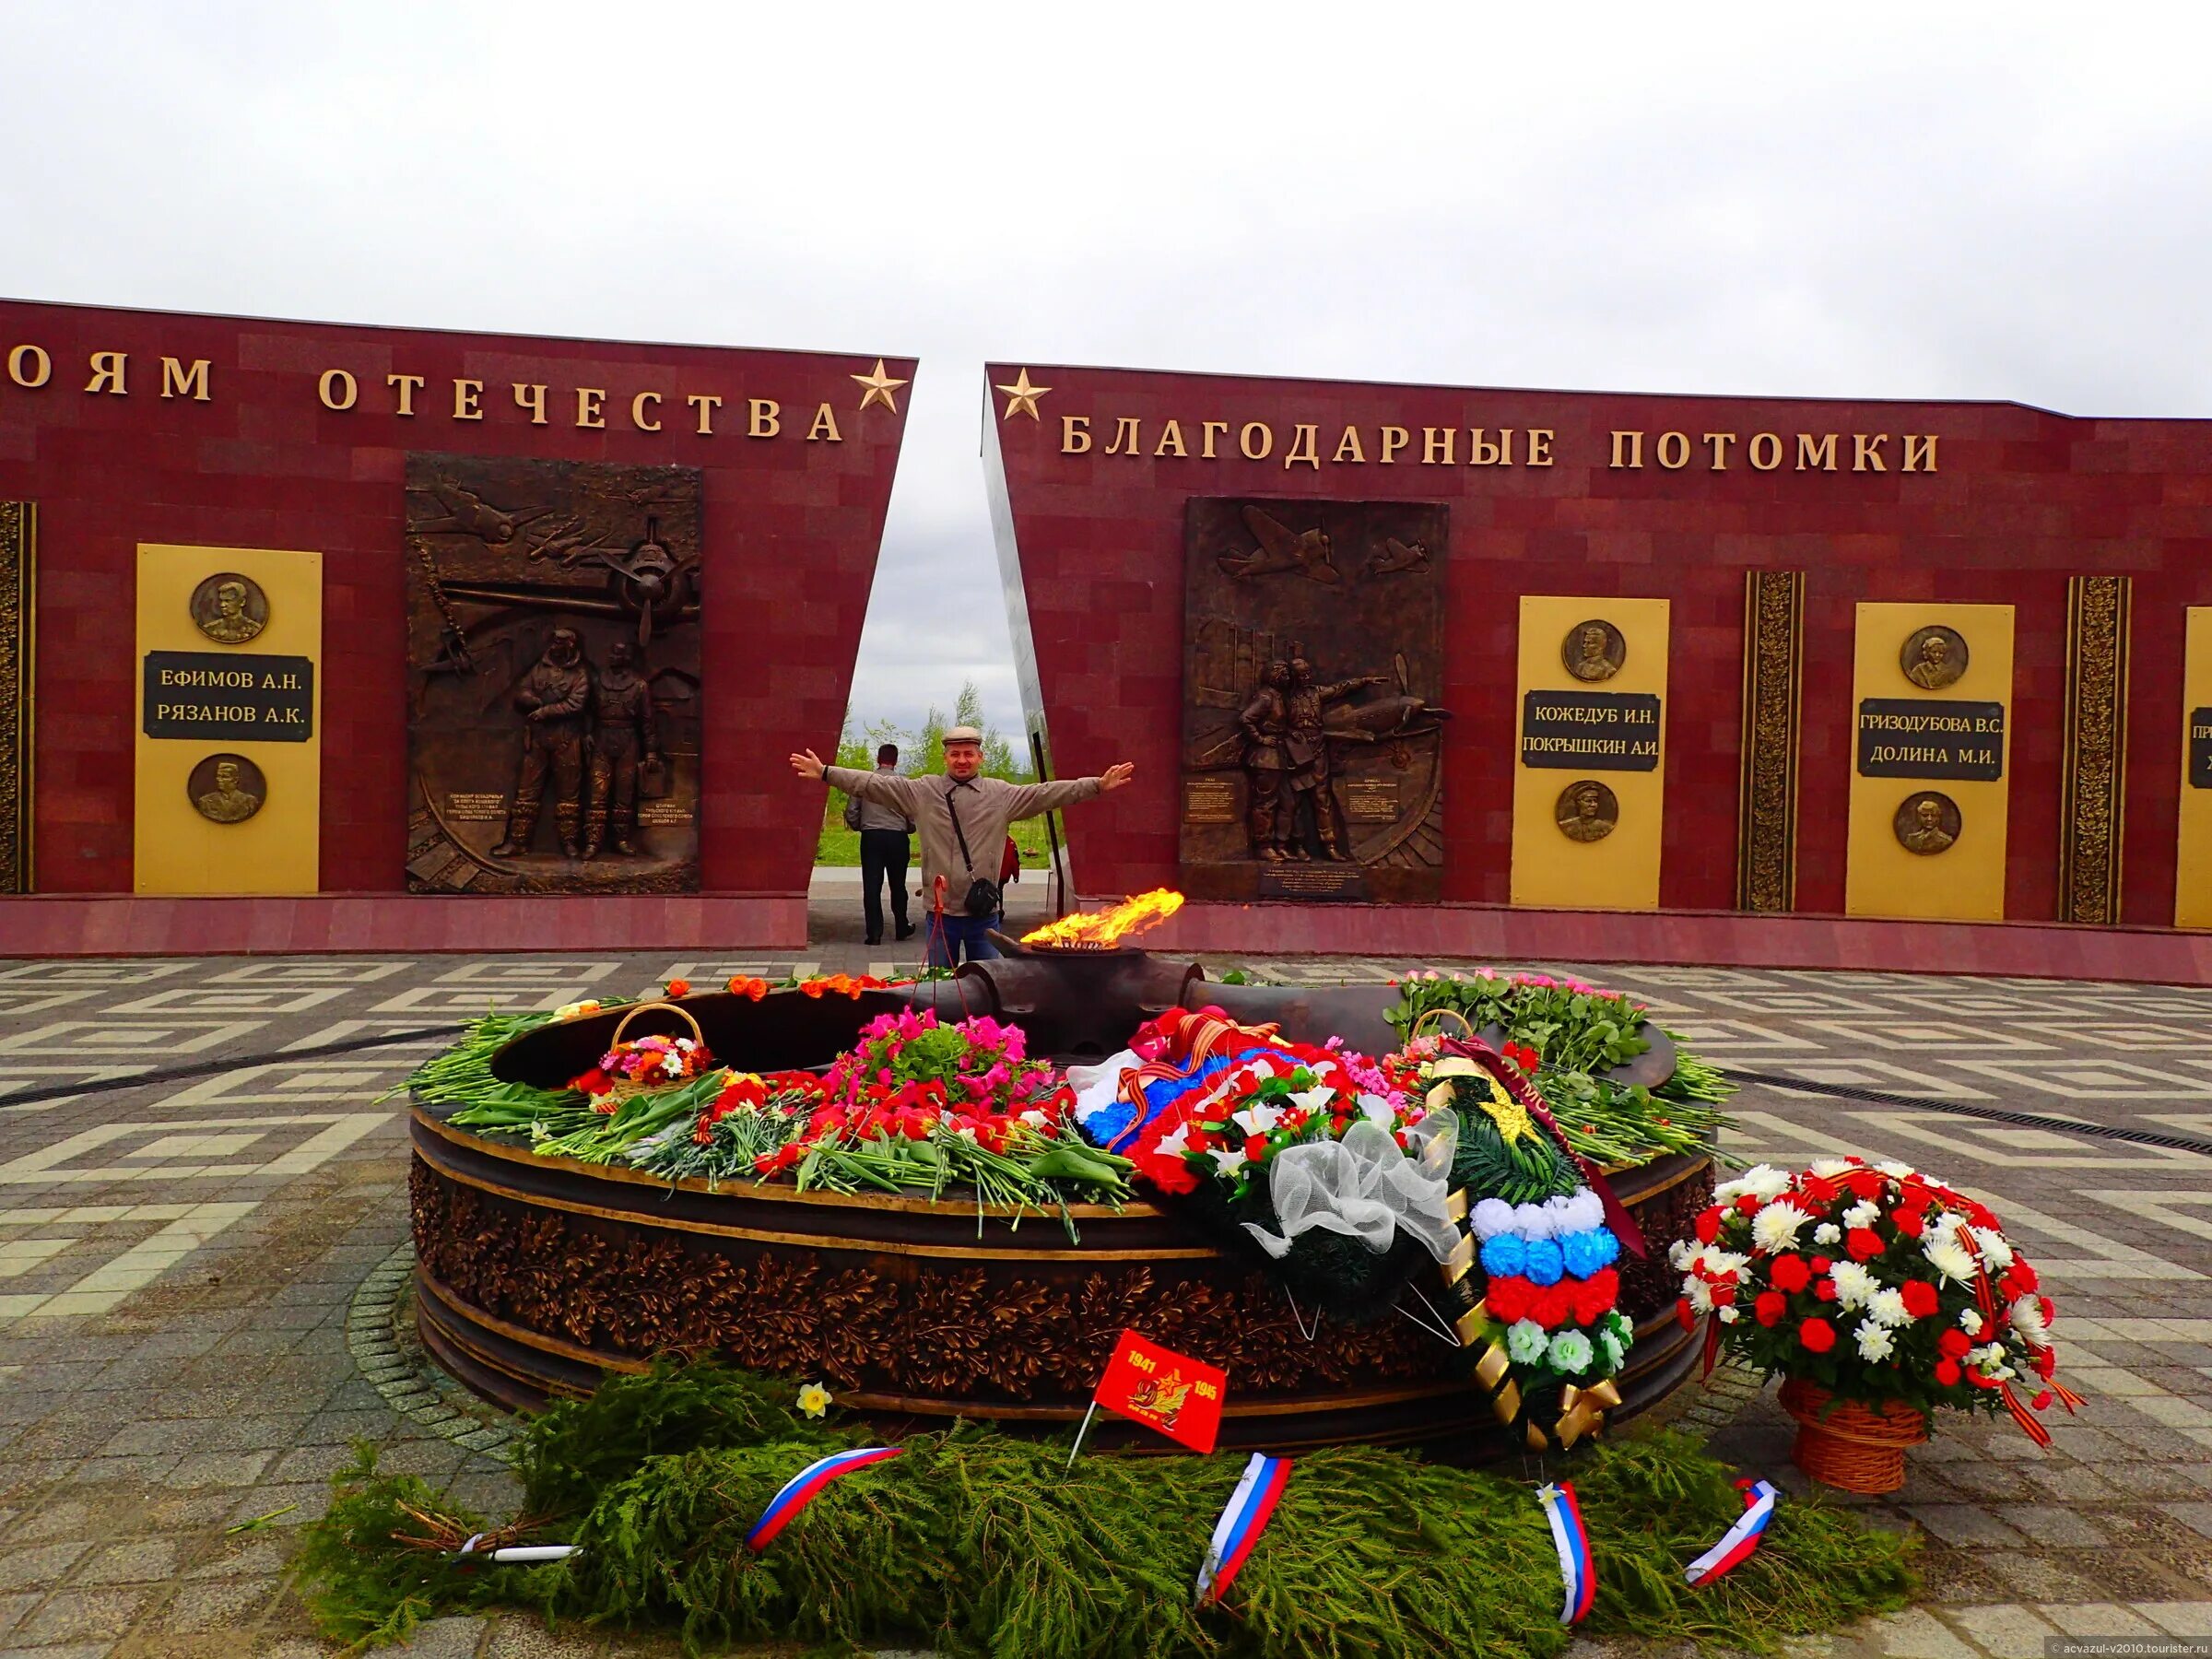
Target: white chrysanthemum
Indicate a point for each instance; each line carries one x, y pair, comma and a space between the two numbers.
1895, 1171
1828, 1169
1855, 1286
1862, 1215
1776, 1227
1827, 1232
1994, 1250
1699, 1294
1532, 1222
1886, 1306
1494, 1216
1680, 1254
1875, 1340
1948, 1257
1729, 1315
1946, 1225
1969, 1321
1990, 1361
1762, 1181
2029, 1321
1720, 1263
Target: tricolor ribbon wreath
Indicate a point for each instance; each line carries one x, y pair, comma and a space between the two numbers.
1578, 1574
1737, 1543
802, 1490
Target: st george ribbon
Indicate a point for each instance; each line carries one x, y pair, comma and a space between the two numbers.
1740, 1540
802, 1488
1243, 1519
1578, 1574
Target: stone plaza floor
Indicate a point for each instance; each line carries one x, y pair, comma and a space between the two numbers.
199, 1280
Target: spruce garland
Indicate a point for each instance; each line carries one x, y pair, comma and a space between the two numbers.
978, 1543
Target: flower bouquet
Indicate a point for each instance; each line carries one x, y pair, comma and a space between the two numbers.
915, 1105
1305, 1153
632, 1066
1877, 1294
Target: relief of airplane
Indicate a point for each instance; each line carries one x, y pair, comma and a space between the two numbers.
1307, 552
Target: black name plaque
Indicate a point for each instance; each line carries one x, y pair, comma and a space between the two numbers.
224, 697
1591, 731
1912, 737
2200, 748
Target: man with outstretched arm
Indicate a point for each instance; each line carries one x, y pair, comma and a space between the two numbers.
962, 817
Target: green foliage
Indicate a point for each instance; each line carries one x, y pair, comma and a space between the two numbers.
1572, 1026
1619, 1123
575, 1448
366, 1590
979, 1543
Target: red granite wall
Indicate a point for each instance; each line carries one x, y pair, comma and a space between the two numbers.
792, 529
2019, 500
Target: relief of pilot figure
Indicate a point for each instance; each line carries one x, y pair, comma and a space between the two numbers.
556, 702
623, 737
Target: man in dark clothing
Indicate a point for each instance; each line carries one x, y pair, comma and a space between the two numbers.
885, 852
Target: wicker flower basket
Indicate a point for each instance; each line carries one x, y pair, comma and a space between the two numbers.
627, 1088
1844, 1445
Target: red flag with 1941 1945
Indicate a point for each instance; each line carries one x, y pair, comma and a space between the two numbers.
1174, 1393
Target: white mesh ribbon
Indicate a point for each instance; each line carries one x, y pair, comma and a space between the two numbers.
1365, 1187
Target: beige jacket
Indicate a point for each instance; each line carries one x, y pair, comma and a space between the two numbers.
987, 806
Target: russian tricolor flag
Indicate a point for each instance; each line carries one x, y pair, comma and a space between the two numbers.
1578, 1574
802, 1488
1740, 1540
1250, 1506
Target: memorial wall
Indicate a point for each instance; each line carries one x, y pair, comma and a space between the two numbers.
1607, 652
293, 608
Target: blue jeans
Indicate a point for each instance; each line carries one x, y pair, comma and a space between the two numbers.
949, 936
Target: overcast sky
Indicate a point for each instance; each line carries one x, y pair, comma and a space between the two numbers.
1942, 201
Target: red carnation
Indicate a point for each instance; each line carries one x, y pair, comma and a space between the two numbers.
1595, 1295
1954, 1343
1978, 1381
1709, 1225
1750, 1204
1685, 1315
1770, 1308
2023, 1275
1910, 1222
1947, 1372
2041, 1401
2045, 1362
1255, 1151
1818, 1335
1920, 1299
1789, 1274
1554, 1305
1821, 1264
1509, 1299
1825, 1290
1865, 1244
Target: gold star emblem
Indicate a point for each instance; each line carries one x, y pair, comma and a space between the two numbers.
881, 387
1022, 397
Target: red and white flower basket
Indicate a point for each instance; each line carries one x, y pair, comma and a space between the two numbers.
1879, 1295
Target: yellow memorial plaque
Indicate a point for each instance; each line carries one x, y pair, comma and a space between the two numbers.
1590, 773
2193, 855
230, 728
1931, 761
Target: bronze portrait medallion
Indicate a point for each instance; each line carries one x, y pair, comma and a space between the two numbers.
229, 608
226, 789
1927, 822
1586, 810
1934, 658
1593, 650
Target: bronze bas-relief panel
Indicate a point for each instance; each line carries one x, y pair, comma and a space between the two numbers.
1312, 746
553, 657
